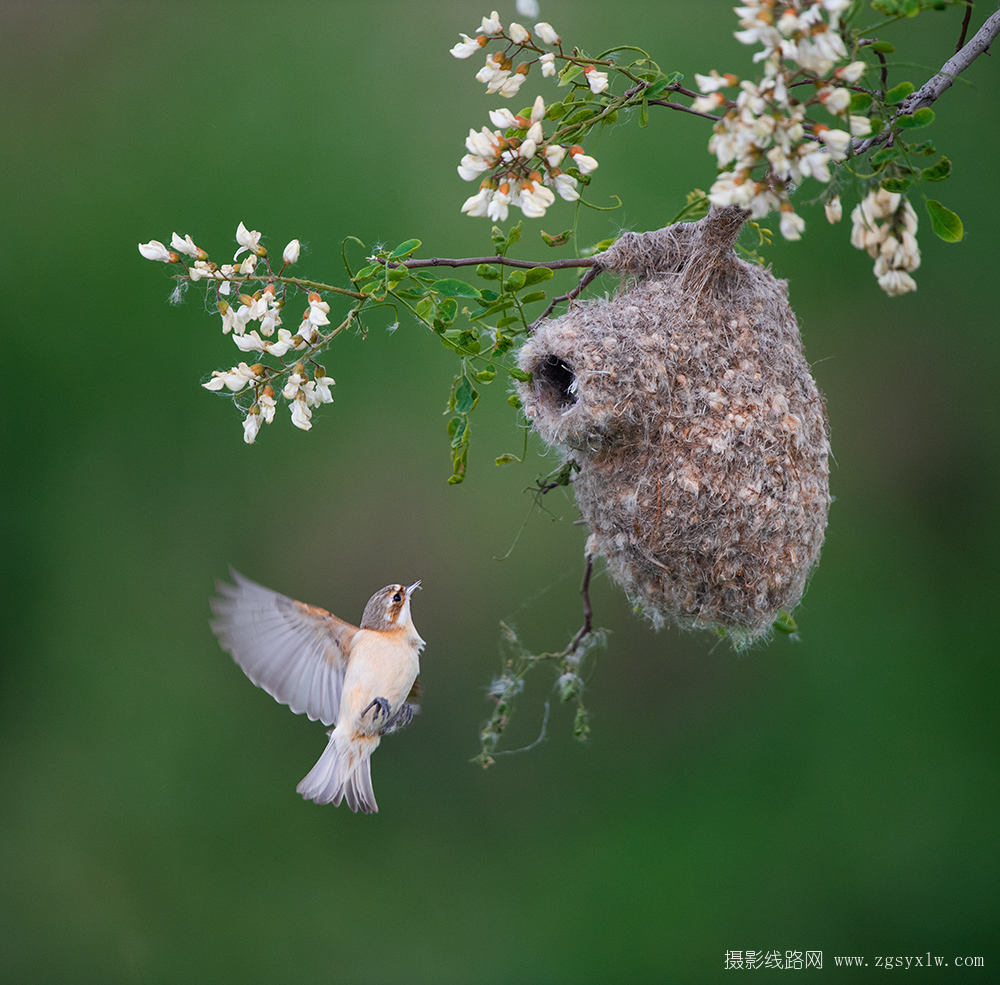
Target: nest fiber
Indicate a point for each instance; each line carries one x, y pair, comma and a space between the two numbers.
700, 435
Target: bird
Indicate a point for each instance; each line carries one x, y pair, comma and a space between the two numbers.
361, 680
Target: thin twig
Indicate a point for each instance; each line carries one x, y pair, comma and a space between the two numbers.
588, 613
531, 745
965, 25
568, 296
935, 87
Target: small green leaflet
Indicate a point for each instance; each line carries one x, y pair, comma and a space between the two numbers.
945, 223
452, 287
913, 121
405, 249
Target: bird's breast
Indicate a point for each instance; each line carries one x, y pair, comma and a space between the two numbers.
382, 664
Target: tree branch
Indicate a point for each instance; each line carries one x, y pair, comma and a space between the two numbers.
935, 87
505, 261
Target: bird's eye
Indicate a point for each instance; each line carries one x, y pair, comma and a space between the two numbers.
397, 597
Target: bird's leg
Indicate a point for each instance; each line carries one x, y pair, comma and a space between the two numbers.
402, 718
380, 705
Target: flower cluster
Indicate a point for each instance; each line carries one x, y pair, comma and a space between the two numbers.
264, 309
767, 128
523, 165
517, 165
885, 225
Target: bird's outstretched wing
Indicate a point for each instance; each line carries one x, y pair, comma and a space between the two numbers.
296, 652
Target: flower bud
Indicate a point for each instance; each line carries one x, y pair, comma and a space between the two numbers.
291, 252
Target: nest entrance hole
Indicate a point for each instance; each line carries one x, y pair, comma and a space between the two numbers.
555, 381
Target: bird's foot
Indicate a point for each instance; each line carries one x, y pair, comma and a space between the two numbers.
380, 705
402, 718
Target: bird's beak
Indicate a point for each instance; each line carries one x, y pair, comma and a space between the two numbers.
410, 589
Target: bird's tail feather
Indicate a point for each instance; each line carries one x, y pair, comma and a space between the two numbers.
343, 772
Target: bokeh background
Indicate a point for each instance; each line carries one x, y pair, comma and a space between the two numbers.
837, 792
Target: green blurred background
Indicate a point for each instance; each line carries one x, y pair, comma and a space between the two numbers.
834, 793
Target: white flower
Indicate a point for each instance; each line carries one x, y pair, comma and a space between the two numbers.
491, 26
565, 185
896, 282
249, 342
482, 144
527, 8
492, 71
836, 99
706, 104
498, 207
791, 225
713, 81
294, 384
526, 151
471, 166
548, 63
850, 73
585, 164
234, 379
290, 254
537, 112
478, 204
285, 342
837, 140
267, 405
319, 392
598, 81
301, 414
155, 250
467, 46
546, 32
834, 210
186, 245
861, 126
247, 266
518, 34
201, 269
248, 241
504, 119
316, 314
553, 154
535, 199
511, 84
251, 425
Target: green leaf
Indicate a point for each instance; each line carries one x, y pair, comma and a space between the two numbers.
556, 111
507, 322
937, 172
514, 235
452, 287
397, 273
884, 156
895, 184
466, 396
516, 280
499, 239
447, 310
913, 121
366, 272
644, 114
660, 86
945, 223
898, 93
579, 116
506, 459
520, 375
610, 119
424, 308
515, 401
487, 272
533, 297
860, 102
570, 72
882, 46
560, 239
926, 148
486, 375
504, 343
785, 624
486, 296
536, 275
405, 249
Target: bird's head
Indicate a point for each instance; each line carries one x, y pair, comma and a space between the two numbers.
389, 608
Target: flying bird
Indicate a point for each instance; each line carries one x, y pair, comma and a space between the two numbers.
362, 680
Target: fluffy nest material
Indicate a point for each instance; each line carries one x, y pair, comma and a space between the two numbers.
700, 435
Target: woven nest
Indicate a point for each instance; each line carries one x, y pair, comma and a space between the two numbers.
700, 435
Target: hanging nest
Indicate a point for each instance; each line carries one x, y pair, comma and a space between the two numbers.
700, 435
